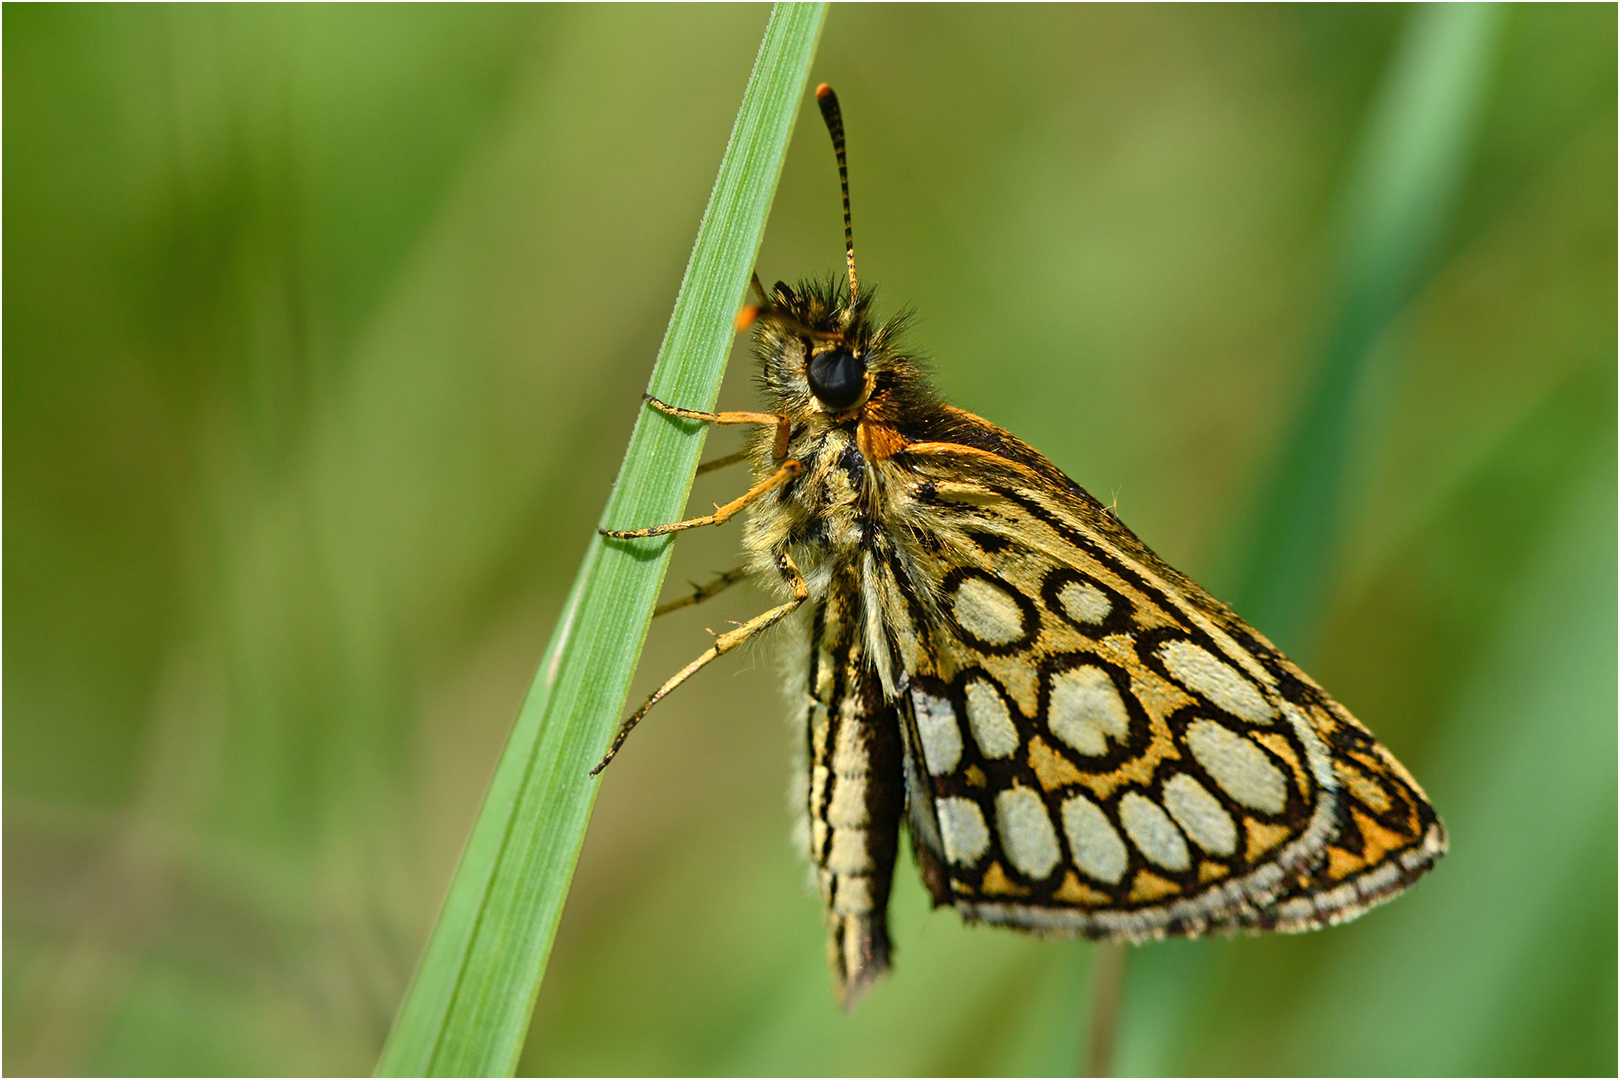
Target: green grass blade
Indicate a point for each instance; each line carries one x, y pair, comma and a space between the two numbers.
1403, 190
469, 1005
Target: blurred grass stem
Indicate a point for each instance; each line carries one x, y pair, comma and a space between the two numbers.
1397, 213
1107, 979
468, 1008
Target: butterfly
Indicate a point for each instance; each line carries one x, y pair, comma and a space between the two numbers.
1079, 739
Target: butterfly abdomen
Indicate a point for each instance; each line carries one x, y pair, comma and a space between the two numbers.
856, 795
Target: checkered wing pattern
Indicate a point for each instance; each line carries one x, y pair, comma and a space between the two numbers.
1097, 746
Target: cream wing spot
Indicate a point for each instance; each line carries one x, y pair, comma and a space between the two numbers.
1084, 602
1097, 848
987, 612
992, 725
1152, 831
1238, 765
941, 736
1200, 815
1201, 672
1026, 831
962, 828
1085, 710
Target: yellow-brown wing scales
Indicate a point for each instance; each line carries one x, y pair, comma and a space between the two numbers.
1109, 750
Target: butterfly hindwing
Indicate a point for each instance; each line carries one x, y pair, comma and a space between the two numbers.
1107, 749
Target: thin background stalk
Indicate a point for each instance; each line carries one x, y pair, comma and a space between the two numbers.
1399, 203
468, 1008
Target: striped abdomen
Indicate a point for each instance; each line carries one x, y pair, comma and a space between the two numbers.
856, 796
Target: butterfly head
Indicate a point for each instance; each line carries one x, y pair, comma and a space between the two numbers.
822, 358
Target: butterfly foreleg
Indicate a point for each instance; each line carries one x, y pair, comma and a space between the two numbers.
723, 643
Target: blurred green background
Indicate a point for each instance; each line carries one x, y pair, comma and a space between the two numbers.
325, 328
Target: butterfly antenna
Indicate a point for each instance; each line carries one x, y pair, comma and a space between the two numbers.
835, 127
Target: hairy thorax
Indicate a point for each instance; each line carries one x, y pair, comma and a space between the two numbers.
826, 515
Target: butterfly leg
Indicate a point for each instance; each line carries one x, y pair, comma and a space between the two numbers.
788, 470
723, 644
781, 423
722, 462
701, 593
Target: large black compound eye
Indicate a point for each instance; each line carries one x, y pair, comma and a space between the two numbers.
837, 378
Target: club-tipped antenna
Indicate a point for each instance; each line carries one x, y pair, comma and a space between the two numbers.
835, 127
